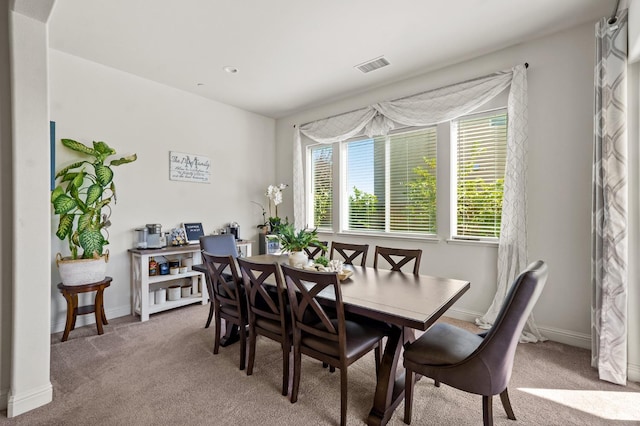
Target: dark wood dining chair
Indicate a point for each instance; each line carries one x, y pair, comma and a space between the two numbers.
397, 258
228, 298
314, 250
350, 252
336, 341
476, 363
267, 311
219, 245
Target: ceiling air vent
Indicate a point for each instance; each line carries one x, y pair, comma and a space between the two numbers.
373, 64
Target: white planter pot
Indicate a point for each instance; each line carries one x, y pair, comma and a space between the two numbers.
82, 271
298, 259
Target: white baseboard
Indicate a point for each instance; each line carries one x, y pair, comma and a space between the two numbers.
462, 315
83, 320
27, 401
566, 337
633, 373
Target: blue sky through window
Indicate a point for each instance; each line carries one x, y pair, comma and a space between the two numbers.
360, 166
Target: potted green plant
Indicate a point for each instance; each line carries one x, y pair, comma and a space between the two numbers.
296, 241
82, 200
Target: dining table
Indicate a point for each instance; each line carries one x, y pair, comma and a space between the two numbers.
406, 302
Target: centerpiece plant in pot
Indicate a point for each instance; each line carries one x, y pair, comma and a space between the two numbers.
82, 200
296, 241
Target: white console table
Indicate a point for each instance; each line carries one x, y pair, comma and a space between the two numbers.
142, 283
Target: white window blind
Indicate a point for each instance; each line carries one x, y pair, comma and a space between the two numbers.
412, 178
480, 163
391, 183
366, 184
322, 186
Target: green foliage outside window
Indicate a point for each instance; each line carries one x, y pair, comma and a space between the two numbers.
363, 210
322, 188
422, 196
322, 207
479, 204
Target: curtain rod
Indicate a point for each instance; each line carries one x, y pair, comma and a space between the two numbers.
614, 16
526, 65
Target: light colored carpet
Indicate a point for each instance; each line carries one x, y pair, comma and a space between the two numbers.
164, 372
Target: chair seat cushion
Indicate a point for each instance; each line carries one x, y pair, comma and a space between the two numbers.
359, 338
442, 344
230, 283
272, 325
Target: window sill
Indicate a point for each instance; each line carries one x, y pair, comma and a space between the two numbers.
405, 237
472, 242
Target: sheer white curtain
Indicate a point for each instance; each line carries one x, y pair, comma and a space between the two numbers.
609, 203
512, 248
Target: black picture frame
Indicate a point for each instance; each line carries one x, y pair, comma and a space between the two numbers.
193, 231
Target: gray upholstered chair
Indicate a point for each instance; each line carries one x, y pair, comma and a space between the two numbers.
219, 245
476, 363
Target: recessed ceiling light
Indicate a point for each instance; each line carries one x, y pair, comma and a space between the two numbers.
230, 69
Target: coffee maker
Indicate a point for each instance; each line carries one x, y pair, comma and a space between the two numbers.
151, 236
155, 238
234, 229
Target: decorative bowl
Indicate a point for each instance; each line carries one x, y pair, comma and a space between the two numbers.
344, 274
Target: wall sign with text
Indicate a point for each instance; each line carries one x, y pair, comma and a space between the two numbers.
189, 167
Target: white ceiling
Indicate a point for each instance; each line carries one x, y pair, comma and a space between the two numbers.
296, 54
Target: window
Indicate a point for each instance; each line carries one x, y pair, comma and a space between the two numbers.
391, 183
322, 186
387, 185
481, 147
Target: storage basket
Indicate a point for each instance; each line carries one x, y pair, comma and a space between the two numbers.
186, 290
173, 292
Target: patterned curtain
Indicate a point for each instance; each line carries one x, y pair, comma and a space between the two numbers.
609, 203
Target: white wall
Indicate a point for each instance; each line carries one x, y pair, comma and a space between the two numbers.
30, 348
93, 102
560, 79
6, 218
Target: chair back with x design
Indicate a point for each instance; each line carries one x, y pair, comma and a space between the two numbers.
268, 315
311, 320
314, 250
228, 298
262, 303
397, 258
350, 252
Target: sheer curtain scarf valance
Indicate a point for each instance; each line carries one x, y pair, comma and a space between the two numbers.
434, 106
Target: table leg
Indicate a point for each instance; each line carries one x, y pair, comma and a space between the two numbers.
231, 335
390, 386
98, 310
